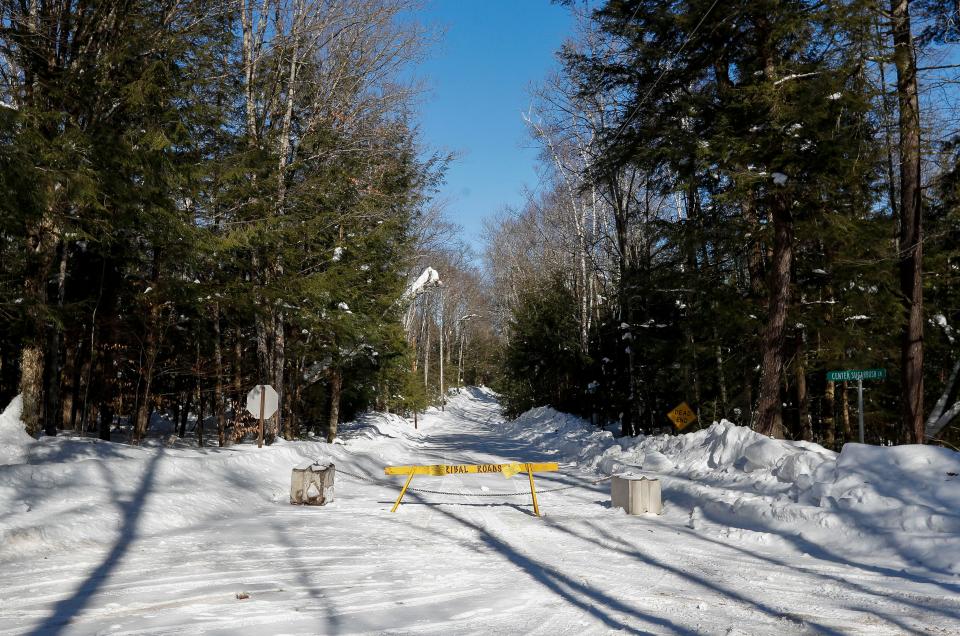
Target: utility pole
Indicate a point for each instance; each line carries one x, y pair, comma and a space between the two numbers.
428, 282
443, 396
460, 361
460, 321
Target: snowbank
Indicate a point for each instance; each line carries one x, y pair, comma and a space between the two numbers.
898, 505
375, 425
80, 490
14, 441
107, 538
912, 488
904, 500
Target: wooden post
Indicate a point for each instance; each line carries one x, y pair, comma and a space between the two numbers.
263, 403
533, 491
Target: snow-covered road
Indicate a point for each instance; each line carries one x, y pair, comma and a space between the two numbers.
103, 538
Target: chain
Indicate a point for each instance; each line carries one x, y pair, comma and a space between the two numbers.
465, 494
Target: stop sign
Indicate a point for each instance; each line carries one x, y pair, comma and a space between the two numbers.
270, 401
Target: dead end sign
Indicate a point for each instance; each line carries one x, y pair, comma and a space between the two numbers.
682, 416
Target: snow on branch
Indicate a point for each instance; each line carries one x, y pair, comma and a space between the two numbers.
429, 278
794, 76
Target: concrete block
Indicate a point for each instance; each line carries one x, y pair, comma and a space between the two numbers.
312, 484
636, 494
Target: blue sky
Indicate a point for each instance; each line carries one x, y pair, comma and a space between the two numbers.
478, 78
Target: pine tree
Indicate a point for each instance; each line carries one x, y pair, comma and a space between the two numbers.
544, 361
751, 129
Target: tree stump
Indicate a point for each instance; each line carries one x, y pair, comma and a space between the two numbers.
312, 485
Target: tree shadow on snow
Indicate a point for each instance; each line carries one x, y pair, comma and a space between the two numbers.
696, 579
130, 512
527, 510
895, 596
857, 520
577, 593
480, 395
604, 539
303, 571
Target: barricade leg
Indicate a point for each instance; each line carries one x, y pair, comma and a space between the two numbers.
533, 491
402, 491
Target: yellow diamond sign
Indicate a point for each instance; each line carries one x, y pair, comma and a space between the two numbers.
682, 416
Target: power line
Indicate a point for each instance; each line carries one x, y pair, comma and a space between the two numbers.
649, 92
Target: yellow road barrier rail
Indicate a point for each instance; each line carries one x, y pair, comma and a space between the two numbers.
440, 470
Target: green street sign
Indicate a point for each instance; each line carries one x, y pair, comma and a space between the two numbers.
857, 374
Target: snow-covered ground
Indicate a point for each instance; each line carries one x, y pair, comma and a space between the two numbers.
757, 536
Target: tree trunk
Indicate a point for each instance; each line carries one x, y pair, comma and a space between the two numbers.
336, 386
237, 389
79, 362
86, 406
270, 350
887, 111
252, 43
106, 421
845, 413
218, 401
41, 247
290, 420
804, 425
829, 416
754, 251
769, 411
9, 382
185, 412
629, 420
721, 375
585, 286
31, 387
279, 361
201, 408
748, 205
53, 411
694, 366
150, 351
104, 390
175, 409
911, 227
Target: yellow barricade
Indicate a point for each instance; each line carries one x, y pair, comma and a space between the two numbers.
439, 470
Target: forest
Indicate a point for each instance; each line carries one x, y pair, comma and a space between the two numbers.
736, 197
200, 196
